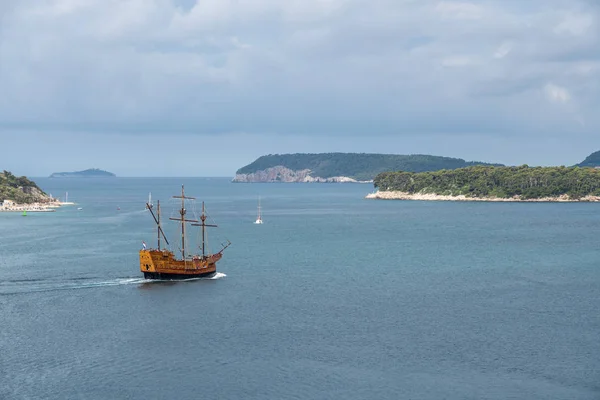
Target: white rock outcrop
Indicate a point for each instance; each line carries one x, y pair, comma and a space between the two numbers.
284, 174
396, 195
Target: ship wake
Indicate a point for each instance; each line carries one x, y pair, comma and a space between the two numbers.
18, 286
218, 275
48, 285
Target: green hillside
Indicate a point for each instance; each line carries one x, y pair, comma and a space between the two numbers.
20, 189
360, 166
503, 182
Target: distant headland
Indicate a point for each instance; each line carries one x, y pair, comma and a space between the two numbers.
20, 189
19, 194
88, 173
592, 161
485, 183
341, 167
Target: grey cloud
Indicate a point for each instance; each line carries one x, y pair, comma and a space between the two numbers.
349, 67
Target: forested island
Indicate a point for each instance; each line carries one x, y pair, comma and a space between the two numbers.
88, 173
592, 161
340, 167
21, 190
490, 183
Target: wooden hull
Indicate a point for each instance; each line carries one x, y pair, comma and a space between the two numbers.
176, 277
162, 264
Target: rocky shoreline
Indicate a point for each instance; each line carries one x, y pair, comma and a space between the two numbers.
283, 174
33, 207
396, 195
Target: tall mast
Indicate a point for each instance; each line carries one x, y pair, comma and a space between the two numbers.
182, 219
203, 224
203, 218
158, 230
182, 213
258, 207
157, 220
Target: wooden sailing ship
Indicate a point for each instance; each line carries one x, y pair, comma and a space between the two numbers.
161, 263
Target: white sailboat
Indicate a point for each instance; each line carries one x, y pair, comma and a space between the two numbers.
67, 202
259, 218
149, 205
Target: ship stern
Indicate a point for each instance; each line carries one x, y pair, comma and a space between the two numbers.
146, 262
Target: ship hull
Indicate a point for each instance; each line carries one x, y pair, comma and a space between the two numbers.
176, 277
161, 264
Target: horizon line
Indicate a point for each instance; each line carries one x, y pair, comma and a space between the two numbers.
111, 177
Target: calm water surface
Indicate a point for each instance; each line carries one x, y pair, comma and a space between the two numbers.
333, 297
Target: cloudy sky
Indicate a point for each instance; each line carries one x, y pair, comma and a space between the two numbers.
203, 87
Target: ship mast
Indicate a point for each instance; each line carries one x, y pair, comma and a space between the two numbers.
157, 220
204, 225
182, 219
203, 218
158, 214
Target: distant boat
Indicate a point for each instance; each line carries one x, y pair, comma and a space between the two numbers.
259, 218
149, 204
118, 208
79, 208
67, 202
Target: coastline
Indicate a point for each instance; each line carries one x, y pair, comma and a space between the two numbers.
34, 207
281, 174
397, 195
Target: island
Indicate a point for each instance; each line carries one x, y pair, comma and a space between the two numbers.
341, 167
88, 173
489, 183
592, 161
18, 194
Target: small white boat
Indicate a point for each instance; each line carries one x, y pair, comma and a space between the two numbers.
149, 204
66, 202
258, 219
79, 208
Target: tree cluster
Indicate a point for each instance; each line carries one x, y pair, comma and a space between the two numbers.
503, 182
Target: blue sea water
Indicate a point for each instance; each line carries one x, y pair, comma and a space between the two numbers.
333, 297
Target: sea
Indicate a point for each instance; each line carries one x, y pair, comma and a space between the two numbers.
333, 297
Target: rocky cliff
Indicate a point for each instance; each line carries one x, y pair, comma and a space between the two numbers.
283, 174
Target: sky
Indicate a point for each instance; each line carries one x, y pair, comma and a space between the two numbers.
204, 87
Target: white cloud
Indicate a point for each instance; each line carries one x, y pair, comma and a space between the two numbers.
556, 93
459, 10
458, 61
503, 50
585, 68
575, 24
